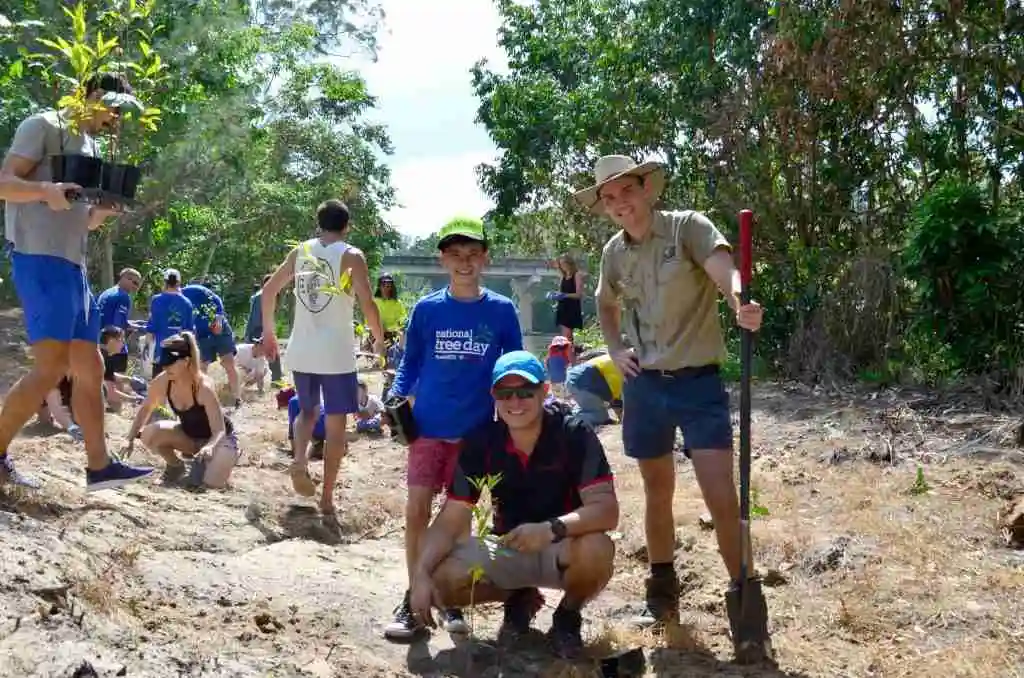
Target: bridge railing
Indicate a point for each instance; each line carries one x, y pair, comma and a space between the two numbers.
528, 265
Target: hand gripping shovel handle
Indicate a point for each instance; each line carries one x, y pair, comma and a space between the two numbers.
748, 612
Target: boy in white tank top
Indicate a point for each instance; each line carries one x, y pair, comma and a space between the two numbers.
322, 348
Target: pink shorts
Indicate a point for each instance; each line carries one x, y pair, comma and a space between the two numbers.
432, 462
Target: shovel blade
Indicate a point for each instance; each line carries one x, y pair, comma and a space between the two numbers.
748, 621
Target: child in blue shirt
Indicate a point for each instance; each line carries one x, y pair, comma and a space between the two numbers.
453, 338
170, 313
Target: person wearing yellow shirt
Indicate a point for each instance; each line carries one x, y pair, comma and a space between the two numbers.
595, 385
393, 316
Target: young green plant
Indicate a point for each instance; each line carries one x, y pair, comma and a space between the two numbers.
483, 518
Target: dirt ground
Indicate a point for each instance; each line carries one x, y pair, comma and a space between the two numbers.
876, 568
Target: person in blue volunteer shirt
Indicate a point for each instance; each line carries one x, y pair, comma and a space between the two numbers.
170, 313
213, 332
115, 306
453, 338
48, 242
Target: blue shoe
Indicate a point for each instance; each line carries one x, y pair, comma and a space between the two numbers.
114, 475
10, 476
76, 433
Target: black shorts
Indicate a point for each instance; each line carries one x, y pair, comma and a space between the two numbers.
114, 364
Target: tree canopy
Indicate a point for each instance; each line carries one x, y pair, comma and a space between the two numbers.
879, 143
261, 120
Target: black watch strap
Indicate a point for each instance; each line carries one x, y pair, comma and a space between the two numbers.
558, 529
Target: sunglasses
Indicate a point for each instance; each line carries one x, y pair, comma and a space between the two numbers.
520, 392
172, 354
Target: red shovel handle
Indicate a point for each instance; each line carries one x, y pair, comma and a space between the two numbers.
746, 247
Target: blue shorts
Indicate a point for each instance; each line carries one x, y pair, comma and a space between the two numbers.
214, 346
55, 298
339, 393
656, 403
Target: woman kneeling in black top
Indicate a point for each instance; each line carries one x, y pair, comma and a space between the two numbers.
202, 432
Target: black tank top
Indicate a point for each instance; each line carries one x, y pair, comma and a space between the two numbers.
194, 422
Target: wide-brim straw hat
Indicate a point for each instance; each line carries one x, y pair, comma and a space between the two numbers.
611, 167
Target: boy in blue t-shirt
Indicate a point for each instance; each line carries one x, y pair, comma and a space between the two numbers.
453, 338
214, 335
170, 313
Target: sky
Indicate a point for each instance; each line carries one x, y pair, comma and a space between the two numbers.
425, 99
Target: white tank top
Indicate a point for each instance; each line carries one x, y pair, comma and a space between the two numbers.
323, 333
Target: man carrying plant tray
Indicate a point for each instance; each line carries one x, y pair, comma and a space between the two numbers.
48, 263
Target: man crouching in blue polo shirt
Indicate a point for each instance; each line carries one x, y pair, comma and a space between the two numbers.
554, 501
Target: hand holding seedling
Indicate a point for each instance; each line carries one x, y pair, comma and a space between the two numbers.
529, 538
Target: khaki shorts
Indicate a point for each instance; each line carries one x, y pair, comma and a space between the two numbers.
508, 569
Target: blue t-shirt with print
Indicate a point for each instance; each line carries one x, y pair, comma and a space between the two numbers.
451, 346
115, 306
169, 314
206, 304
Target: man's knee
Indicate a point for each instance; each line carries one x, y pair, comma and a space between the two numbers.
51, 360
418, 505
336, 426
593, 553
659, 476
86, 363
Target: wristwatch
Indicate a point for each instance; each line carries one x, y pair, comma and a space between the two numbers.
558, 529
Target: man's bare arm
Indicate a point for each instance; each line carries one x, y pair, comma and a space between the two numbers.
355, 261
609, 315
268, 299
722, 271
599, 513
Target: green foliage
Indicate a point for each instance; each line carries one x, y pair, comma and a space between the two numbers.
967, 264
757, 510
839, 124
920, 485
483, 517
255, 128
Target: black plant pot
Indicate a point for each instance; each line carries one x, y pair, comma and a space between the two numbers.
121, 180
83, 170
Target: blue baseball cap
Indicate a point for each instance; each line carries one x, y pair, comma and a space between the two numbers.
520, 363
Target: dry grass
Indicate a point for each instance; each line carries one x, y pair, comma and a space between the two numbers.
880, 579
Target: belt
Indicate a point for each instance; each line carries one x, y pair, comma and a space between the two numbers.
684, 372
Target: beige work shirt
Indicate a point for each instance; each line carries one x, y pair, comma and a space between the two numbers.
669, 303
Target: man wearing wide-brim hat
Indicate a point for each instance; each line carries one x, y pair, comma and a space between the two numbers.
660, 279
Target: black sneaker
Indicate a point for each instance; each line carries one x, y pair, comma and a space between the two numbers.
454, 623
520, 609
661, 605
565, 634
403, 627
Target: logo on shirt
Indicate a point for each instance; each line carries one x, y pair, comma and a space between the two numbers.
175, 321
313, 275
462, 344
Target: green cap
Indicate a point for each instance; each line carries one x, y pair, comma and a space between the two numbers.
464, 227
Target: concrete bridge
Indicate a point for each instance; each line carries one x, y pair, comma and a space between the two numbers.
524, 275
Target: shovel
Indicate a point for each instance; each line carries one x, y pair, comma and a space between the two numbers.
748, 612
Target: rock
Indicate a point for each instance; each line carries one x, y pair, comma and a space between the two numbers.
829, 557
705, 521
774, 577
85, 670
1013, 524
